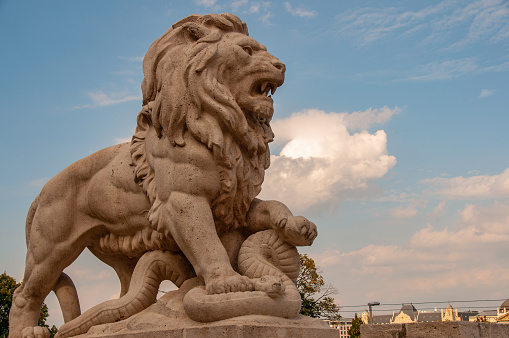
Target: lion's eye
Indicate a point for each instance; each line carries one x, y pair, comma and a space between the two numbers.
248, 50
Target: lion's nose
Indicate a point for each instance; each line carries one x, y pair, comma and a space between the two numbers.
280, 66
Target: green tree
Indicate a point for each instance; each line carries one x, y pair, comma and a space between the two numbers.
7, 287
355, 329
315, 294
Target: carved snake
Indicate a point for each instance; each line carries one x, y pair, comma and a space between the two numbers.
272, 264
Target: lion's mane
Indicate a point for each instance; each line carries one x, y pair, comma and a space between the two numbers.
182, 59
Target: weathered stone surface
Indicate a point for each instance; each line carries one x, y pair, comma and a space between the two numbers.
436, 330
167, 318
178, 201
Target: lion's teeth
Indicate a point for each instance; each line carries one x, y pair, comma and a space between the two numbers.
263, 86
273, 90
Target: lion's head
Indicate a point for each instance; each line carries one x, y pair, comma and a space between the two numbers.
206, 76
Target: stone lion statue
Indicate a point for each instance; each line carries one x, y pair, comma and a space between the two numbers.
179, 201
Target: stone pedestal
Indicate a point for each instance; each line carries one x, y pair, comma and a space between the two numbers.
436, 330
250, 328
167, 318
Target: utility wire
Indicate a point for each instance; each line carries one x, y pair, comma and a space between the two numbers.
418, 303
428, 308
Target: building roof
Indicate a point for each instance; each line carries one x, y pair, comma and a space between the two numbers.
505, 305
488, 313
431, 316
409, 310
382, 319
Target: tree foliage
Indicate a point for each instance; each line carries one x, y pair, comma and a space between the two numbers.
355, 329
7, 287
315, 294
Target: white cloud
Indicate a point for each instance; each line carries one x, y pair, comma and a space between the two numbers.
432, 265
101, 99
450, 69
238, 3
407, 212
468, 22
254, 8
299, 11
369, 25
486, 20
206, 3
39, 182
321, 162
368, 118
485, 93
445, 70
265, 18
480, 186
438, 211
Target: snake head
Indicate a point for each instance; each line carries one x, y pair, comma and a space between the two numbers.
273, 286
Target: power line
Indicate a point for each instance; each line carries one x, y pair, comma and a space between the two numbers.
428, 308
418, 303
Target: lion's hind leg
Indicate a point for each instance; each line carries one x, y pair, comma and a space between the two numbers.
46, 259
40, 278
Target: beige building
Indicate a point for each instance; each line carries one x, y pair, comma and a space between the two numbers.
409, 314
500, 315
342, 325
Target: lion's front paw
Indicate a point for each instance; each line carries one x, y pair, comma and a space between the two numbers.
35, 332
298, 230
233, 283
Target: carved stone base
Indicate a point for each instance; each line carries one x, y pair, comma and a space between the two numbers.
247, 330
167, 318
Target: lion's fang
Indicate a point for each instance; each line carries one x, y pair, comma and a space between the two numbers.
263, 86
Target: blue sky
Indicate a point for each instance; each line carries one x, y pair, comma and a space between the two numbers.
391, 130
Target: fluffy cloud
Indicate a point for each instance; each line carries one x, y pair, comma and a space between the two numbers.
321, 161
406, 212
468, 258
478, 225
481, 186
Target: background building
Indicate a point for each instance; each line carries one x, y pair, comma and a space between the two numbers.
342, 325
409, 314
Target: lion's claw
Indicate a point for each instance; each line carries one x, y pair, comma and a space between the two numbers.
234, 283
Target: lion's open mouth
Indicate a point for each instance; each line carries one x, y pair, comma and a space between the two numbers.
259, 109
264, 88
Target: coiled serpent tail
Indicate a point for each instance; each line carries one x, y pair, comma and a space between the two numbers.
152, 268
